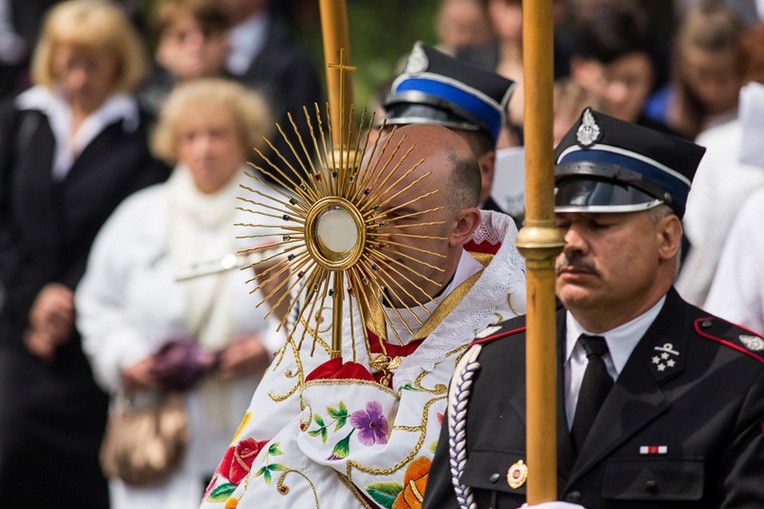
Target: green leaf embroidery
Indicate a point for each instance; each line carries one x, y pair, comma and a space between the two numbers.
410, 387
274, 450
339, 412
319, 420
433, 446
266, 470
342, 448
384, 493
324, 435
222, 493
315, 432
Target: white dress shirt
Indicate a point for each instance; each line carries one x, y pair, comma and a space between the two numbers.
621, 341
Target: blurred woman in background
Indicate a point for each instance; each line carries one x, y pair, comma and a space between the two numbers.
707, 73
130, 303
73, 147
190, 41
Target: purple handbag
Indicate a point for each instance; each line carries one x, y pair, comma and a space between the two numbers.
180, 364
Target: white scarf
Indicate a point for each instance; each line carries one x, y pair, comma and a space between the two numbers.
201, 229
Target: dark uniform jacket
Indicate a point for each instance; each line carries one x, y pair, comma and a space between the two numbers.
682, 434
52, 416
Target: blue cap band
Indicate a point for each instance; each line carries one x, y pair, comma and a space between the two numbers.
487, 113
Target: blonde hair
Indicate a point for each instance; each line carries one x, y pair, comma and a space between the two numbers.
93, 25
213, 95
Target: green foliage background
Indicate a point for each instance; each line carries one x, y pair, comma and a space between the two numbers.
382, 33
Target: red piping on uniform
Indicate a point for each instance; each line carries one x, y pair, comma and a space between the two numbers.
724, 341
495, 336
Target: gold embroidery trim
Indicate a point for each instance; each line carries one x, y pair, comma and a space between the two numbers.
422, 429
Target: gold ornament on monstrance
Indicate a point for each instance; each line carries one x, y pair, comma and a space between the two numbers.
332, 220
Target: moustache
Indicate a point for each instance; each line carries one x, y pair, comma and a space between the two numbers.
574, 263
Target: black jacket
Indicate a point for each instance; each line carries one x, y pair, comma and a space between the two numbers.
52, 416
707, 409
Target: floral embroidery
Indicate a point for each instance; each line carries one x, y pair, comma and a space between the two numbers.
372, 426
234, 467
340, 416
245, 420
414, 484
410, 494
265, 470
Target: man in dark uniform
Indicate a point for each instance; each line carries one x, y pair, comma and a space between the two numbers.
436, 88
660, 405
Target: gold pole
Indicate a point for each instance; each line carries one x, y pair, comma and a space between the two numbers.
336, 38
539, 241
339, 288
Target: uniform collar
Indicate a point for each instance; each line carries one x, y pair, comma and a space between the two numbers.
621, 340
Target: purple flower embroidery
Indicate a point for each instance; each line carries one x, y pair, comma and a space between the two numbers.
372, 426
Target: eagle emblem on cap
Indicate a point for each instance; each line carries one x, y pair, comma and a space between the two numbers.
417, 62
588, 132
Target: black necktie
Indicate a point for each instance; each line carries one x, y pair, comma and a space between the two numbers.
594, 388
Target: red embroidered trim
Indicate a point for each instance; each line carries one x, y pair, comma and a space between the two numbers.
724, 341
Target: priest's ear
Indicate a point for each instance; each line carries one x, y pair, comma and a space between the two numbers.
466, 220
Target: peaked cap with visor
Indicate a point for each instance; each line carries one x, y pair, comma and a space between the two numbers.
437, 88
604, 164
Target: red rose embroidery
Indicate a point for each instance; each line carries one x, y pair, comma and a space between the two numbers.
238, 459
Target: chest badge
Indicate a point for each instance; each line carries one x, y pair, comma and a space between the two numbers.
664, 357
517, 474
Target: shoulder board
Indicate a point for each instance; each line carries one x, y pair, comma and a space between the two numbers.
732, 336
500, 330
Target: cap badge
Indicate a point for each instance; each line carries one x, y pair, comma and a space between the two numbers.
665, 357
417, 62
517, 474
753, 343
588, 132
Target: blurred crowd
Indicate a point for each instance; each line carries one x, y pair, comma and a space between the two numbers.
127, 130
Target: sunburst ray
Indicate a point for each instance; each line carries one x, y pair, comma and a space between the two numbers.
359, 182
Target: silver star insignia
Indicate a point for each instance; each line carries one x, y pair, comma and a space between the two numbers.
670, 363
664, 355
661, 367
656, 359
